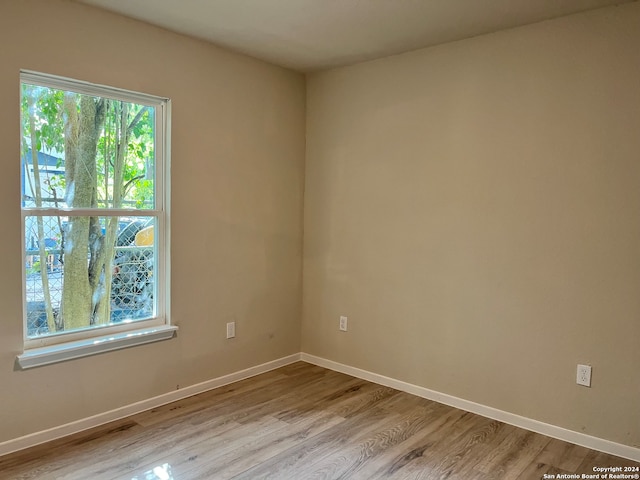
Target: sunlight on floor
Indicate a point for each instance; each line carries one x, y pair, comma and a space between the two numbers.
161, 472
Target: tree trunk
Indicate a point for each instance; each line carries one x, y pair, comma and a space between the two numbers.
82, 245
103, 310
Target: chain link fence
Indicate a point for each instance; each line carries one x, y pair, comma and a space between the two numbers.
131, 273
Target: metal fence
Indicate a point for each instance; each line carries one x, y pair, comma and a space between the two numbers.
132, 286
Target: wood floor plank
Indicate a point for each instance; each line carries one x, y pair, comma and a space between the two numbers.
600, 459
445, 461
304, 422
224, 465
513, 455
562, 455
469, 467
420, 456
198, 453
350, 461
292, 462
398, 457
200, 401
152, 443
537, 471
207, 448
44, 460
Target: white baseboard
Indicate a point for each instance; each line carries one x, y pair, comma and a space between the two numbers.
54, 433
560, 433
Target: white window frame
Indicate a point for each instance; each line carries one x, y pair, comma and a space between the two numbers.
78, 343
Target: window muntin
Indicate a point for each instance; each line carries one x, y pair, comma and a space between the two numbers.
93, 207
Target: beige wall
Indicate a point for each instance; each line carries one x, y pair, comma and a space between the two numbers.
474, 209
237, 186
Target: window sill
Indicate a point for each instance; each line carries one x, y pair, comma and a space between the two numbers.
61, 352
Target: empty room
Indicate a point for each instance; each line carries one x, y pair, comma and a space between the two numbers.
305, 239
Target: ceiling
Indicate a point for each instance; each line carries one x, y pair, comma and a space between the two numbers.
310, 35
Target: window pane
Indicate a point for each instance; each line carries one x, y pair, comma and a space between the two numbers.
85, 151
86, 272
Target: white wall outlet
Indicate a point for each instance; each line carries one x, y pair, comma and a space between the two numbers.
584, 375
343, 323
231, 329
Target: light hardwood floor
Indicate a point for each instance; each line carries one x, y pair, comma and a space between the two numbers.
304, 422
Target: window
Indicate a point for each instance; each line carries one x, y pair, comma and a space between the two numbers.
94, 210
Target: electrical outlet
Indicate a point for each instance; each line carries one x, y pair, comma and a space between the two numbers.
343, 323
583, 376
231, 329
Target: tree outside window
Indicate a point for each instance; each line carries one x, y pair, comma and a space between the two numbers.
93, 206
